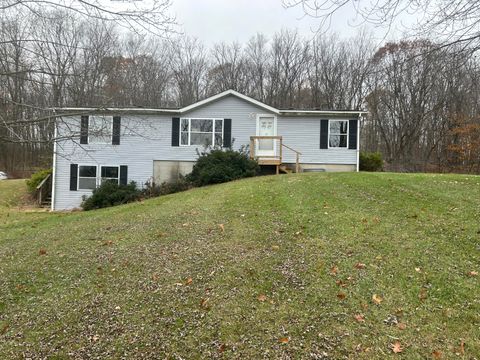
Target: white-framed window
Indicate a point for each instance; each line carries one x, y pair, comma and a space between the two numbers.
199, 131
87, 177
338, 134
100, 129
110, 173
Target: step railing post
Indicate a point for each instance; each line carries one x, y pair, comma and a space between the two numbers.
252, 148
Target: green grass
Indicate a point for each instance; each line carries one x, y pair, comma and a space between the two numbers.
113, 282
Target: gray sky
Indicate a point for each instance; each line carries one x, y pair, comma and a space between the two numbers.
237, 20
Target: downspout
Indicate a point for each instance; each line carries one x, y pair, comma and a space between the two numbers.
54, 166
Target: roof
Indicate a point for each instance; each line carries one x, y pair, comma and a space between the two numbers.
137, 110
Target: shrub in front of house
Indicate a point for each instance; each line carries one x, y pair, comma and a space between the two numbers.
165, 188
36, 179
219, 166
110, 193
371, 161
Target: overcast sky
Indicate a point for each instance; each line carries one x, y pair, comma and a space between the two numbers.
237, 20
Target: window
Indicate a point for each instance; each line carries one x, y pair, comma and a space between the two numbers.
110, 173
203, 132
87, 177
338, 134
100, 129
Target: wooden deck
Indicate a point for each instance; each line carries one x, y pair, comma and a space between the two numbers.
277, 158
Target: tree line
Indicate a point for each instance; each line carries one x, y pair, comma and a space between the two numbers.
422, 99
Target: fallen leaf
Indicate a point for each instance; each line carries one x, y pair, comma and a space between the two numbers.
397, 347
222, 227
423, 294
188, 281
42, 252
341, 283
360, 265
204, 303
222, 348
3, 329
108, 243
359, 318
437, 354
473, 273
417, 269
402, 326
377, 299
155, 277
341, 295
461, 349
262, 297
333, 270
284, 340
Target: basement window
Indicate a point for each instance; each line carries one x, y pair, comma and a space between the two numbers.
338, 134
87, 177
202, 132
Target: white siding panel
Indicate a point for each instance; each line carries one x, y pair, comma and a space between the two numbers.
303, 134
148, 138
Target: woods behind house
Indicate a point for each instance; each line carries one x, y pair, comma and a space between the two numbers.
423, 99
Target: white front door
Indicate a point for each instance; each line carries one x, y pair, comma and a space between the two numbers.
266, 126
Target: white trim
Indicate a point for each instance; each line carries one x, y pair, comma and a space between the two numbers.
190, 130
211, 99
229, 92
347, 134
358, 145
84, 177
111, 130
324, 112
54, 165
257, 151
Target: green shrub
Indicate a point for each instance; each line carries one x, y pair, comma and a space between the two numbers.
218, 166
111, 194
371, 161
36, 179
165, 188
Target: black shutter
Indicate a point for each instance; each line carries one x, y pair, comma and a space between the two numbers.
175, 131
352, 134
323, 134
73, 177
116, 130
84, 130
123, 174
227, 133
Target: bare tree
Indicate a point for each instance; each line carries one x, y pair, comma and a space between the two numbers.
449, 22
229, 69
189, 67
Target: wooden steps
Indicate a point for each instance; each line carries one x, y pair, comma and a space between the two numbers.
285, 169
276, 159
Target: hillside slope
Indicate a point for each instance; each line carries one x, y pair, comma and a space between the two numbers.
310, 265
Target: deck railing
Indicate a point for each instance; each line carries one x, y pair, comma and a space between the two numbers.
44, 190
276, 156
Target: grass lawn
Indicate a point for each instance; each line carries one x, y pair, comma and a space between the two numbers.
320, 266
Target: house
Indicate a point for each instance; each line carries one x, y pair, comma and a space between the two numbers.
139, 144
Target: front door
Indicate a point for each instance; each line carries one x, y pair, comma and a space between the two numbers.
266, 126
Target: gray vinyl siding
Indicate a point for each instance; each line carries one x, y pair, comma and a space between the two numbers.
303, 135
147, 138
